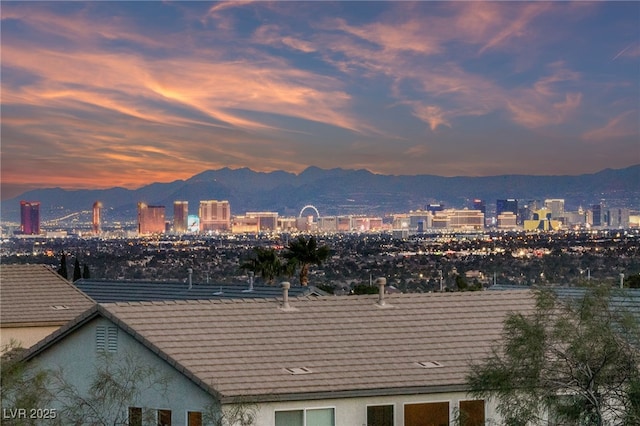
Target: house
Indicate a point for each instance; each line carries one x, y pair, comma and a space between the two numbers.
108, 291
34, 302
387, 360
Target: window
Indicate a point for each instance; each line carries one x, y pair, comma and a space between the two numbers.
194, 418
308, 417
427, 414
164, 417
380, 415
472, 413
106, 338
290, 418
135, 416
321, 417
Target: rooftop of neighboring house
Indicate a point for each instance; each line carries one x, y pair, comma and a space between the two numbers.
620, 298
318, 347
36, 295
108, 291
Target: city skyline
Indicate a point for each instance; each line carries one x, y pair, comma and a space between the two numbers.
97, 95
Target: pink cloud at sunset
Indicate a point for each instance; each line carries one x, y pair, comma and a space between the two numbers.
102, 94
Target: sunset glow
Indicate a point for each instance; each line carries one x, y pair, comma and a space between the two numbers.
103, 94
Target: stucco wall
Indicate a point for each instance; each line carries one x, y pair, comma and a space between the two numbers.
353, 411
76, 354
25, 336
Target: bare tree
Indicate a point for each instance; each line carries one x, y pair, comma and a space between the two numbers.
117, 384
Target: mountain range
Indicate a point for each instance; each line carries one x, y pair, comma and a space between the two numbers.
337, 191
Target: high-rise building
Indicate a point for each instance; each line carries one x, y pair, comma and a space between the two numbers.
464, 219
150, 219
556, 205
596, 215
30, 217
180, 216
214, 215
267, 221
508, 205
97, 219
479, 204
433, 208
542, 221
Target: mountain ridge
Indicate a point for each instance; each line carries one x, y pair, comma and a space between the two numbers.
338, 191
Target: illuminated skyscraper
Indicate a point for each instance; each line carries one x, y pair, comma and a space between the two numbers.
596, 215
180, 216
30, 217
556, 206
267, 221
150, 219
479, 204
97, 219
214, 215
508, 205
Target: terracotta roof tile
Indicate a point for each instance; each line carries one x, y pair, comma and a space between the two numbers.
349, 343
35, 294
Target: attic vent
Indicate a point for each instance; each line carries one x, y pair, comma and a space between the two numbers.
106, 338
59, 307
298, 370
429, 364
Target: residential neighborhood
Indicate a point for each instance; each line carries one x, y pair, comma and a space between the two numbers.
290, 358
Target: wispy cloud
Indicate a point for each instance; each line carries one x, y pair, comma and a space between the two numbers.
270, 85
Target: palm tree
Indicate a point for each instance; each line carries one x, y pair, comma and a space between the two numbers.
303, 252
264, 262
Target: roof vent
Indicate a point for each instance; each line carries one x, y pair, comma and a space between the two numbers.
285, 297
250, 289
381, 282
59, 307
430, 364
298, 370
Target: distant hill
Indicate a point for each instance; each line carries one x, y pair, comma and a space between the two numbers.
338, 191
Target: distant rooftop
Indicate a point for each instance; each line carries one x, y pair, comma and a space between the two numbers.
35, 295
106, 291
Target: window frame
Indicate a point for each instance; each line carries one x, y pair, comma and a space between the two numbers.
484, 407
158, 410
392, 404
187, 412
438, 401
304, 413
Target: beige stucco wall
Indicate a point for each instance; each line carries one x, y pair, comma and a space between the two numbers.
353, 411
25, 336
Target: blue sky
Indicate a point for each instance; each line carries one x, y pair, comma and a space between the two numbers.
103, 94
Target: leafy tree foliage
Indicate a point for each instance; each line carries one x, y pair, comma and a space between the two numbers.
77, 274
85, 272
576, 360
303, 252
62, 270
265, 263
633, 281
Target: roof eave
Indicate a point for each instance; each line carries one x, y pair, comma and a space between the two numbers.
355, 393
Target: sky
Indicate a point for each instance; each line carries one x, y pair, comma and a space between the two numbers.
104, 94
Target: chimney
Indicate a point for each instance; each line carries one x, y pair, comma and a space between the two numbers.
285, 295
381, 282
190, 277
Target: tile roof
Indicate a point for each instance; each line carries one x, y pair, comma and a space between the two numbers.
107, 291
35, 295
349, 344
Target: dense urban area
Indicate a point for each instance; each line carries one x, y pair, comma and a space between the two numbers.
420, 263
